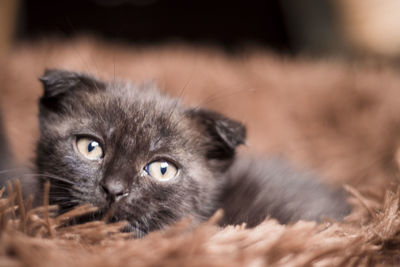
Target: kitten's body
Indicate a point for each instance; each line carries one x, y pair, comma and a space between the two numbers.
256, 188
136, 125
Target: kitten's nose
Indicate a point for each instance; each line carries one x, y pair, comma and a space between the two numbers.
114, 189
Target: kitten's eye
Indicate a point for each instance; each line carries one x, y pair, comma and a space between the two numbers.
161, 170
89, 148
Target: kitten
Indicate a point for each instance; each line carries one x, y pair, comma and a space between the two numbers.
143, 157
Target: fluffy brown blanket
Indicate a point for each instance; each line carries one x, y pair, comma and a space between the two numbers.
342, 121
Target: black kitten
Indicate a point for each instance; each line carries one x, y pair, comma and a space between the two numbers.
142, 157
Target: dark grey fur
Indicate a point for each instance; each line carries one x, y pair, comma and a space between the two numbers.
6, 162
136, 125
257, 188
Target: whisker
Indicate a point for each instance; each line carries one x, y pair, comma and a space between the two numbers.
60, 200
89, 66
64, 201
69, 184
57, 186
11, 170
216, 96
180, 97
51, 176
114, 65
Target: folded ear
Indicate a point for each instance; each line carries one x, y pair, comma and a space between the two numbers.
223, 135
58, 83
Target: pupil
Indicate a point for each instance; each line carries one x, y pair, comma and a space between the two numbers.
163, 168
92, 145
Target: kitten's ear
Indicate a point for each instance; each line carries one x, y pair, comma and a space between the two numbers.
224, 134
57, 83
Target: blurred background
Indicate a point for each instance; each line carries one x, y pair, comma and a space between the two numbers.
281, 67
344, 28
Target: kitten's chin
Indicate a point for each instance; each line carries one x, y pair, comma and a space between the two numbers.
138, 232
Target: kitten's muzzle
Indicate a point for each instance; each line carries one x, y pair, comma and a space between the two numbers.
114, 190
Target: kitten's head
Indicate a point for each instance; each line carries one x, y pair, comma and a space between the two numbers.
132, 152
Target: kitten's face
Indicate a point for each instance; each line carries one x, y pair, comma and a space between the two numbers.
135, 154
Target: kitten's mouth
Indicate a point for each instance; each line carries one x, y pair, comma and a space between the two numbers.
114, 199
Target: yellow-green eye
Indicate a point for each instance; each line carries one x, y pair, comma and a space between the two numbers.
161, 170
89, 148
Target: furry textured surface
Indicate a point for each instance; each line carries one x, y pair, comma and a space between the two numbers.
343, 121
